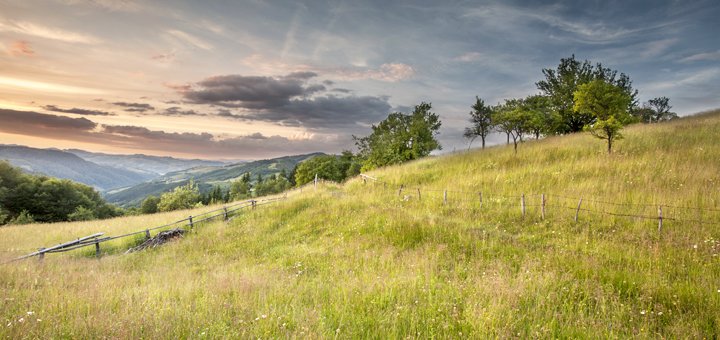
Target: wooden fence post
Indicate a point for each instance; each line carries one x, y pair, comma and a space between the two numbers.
226, 213
190, 221
147, 234
542, 205
253, 202
445, 196
419, 197
315, 181
97, 249
522, 204
42, 255
577, 211
660, 218
481, 202
400, 190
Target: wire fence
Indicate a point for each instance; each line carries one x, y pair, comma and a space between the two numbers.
658, 212
540, 202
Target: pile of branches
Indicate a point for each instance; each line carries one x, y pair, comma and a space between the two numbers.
159, 239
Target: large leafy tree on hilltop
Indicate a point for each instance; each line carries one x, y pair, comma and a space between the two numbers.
400, 138
561, 84
607, 104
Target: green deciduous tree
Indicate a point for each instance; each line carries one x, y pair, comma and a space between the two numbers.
150, 205
400, 138
239, 189
182, 197
561, 84
326, 167
481, 119
608, 105
513, 118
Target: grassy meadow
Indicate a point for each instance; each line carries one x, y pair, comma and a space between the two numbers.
363, 260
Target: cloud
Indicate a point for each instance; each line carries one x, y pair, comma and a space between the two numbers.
39, 124
250, 91
190, 39
77, 111
388, 72
286, 100
45, 32
21, 48
706, 56
112, 5
178, 111
135, 107
469, 57
255, 145
164, 57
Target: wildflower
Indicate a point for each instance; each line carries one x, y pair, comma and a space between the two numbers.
30, 313
21, 320
695, 246
263, 316
660, 313
642, 312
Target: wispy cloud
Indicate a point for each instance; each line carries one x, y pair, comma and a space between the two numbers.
77, 111
706, 56
190, 39
45, 32
21, 48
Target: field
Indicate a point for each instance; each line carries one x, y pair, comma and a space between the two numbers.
363, 260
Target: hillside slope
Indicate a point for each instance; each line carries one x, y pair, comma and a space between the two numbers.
66, 165
366, 260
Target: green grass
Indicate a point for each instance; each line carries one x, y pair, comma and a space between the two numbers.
356, 260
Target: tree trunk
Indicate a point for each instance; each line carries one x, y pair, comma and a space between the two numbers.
508, 137
609, 145
483, 141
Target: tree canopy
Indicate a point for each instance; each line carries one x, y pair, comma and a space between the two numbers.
481, 119
400, 138
607, 104
561, 84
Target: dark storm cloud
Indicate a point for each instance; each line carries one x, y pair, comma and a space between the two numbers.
251, 91
135, 107
287, 100
40, 124
77, 111
254, 145
178, 111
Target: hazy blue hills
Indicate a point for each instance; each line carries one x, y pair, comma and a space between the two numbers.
152, 166
205, 177
56, 163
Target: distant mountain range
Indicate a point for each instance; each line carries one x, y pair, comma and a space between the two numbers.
151, 165
102, 171
61, 164
128, 179
205, 177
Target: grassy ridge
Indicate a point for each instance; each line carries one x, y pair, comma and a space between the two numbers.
358, 261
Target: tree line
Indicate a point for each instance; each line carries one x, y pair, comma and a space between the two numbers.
576, 96
26, 198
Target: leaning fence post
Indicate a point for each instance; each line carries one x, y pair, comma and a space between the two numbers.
253, 202
400, 190
577, 211
542, 205
147, 234
226, 213
445, 196
190, 221
97, 249
42, 254
522, 204
419, 197
481, 203
660, 218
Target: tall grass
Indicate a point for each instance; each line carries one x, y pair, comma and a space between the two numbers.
357, 260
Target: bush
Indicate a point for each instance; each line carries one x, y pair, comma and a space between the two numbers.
23, 218
182, 197
150, 205
81, 214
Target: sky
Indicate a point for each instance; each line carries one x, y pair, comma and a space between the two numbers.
261, 79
